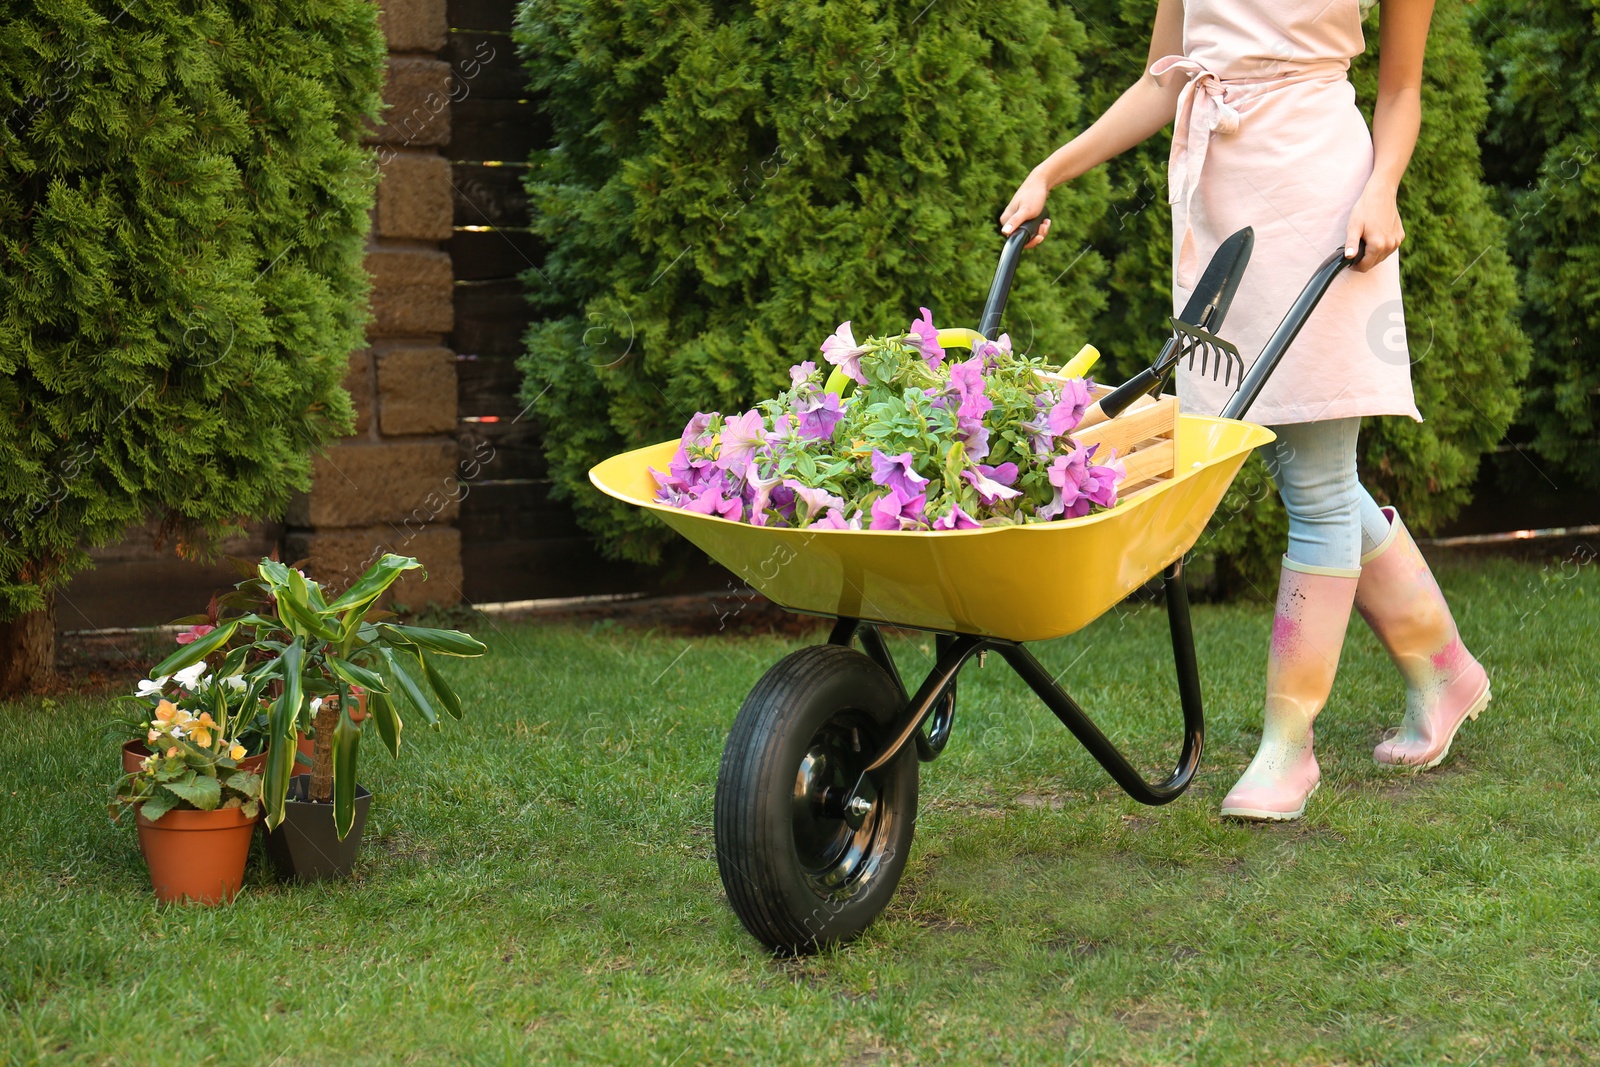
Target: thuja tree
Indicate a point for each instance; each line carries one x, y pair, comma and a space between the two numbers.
183, 199
729, 181
1542, 148
1458, 282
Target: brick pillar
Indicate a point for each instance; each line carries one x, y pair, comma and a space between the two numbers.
392, 486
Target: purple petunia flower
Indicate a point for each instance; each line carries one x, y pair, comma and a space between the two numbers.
710, 498
819, 416
1101, 484
1080, 484
989, 351
897, 473
802, 372
925, 337
758, 495
741, 436
956, 520
841, 350
896, 510
991, 489
810, 503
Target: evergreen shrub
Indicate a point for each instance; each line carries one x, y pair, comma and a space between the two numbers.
729, 181
183, 204
1542, 150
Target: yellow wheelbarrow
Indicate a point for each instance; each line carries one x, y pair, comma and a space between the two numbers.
817, 792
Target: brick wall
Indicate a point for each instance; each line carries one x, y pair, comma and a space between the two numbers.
394, 486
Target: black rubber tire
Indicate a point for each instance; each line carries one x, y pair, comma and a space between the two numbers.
809, 696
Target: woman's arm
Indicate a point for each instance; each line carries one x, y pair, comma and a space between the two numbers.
1396, 118
1143, 109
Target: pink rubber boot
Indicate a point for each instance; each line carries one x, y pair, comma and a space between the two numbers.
1307, 634
1445, 686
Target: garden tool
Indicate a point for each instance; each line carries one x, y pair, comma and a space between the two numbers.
1307, 633
1193, 333
1445, 685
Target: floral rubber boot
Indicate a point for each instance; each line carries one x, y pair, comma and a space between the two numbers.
1307, 635
1445, 685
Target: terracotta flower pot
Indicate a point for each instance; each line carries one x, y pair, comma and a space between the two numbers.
197, 855
134, 752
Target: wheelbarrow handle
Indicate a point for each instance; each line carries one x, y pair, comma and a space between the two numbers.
1287, 331
1000, 288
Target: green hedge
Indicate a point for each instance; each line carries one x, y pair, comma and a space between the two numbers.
1459, 287
183, 204
729, 181
721, 193
1542, 149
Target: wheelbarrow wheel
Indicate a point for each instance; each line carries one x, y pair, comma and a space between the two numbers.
799, 871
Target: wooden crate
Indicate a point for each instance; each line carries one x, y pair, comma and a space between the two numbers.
1145, 437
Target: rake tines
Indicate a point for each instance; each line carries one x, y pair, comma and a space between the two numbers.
1216, 355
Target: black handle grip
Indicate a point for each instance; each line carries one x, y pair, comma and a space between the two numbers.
1287, 331
1116, 402
1000, 288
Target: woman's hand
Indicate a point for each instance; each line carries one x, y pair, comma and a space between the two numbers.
1376, 220
1027, 204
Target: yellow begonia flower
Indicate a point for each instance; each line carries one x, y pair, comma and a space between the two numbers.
173, 751
165, 711
152, 735
236, 752
205, 719
200, 736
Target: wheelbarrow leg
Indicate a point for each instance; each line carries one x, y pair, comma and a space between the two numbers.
1116, 764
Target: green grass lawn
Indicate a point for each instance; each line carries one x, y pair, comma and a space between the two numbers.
538, 881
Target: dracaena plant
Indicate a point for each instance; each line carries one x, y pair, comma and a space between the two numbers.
308, 661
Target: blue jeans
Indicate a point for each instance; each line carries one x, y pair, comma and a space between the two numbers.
1333, 521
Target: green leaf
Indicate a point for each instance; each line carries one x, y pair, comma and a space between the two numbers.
158, 805
409, 686
194, 652
346, 741
441, 688
444, 642
383, 713
245, 782
296, 612
371, 585
281, 722
201, 790
355, 674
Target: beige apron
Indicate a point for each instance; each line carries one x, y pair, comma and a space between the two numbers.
1268, 136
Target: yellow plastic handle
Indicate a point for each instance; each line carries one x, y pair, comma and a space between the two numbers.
1078, 366
958, 337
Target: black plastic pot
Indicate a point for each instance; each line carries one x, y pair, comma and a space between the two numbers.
306, 847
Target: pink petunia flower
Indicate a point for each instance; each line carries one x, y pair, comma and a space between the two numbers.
741, 436
956, 520
925, 337
896, 510
811, 503
841, 350
992, 490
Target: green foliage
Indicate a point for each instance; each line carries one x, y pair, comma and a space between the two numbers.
183, 204
288, 637
730, 181
1540, 149
1459, 287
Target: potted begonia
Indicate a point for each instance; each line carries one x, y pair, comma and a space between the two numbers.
195, 796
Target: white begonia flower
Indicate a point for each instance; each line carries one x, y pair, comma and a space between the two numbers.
316, 703
190, 676
234, 681
149, 687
